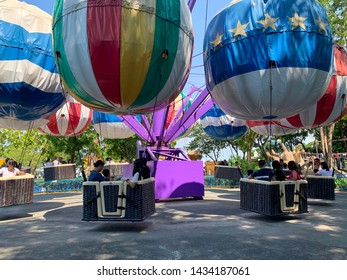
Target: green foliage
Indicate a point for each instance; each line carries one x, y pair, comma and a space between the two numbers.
117, 148
204, 144
25, 147
341, 183
337, 14
340, 136
246, 143
245, 164
74, 148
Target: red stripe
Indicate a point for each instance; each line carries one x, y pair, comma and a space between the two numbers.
251, 124
74, 118
325, 105
340, 60
104, 33
52, 125
295, 121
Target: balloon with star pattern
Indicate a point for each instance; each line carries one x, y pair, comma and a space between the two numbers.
268, 60
123, 57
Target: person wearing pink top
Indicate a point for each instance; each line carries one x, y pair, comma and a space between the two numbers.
294, 173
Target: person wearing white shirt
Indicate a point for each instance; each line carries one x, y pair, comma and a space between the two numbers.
10, 169
55, 161
324, 170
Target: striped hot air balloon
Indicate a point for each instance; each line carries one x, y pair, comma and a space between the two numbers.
176, 112
123, 56
29, 81
71, 120
333, 105
268, 59
14, 124
270, 128
110, 126
221, 126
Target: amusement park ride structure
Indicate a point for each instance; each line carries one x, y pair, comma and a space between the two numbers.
176, 176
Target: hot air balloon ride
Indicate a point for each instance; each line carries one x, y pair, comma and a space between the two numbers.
29, 83
123, 57
71, 120
221, 126
268, 60
158, 132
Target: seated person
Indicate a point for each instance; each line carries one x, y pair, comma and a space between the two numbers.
278, 174
294, 173
95, 174
324, 170
141, 171
262, 172
49, 162
107, 174
109, 161
10, 169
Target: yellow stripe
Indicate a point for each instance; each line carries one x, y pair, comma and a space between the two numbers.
137, 35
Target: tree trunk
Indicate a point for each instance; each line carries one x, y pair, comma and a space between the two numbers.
326, 134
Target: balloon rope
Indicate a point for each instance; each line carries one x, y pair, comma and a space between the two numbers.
206, 15
38, 161
271, 64
73, 129
25, 146
223, 127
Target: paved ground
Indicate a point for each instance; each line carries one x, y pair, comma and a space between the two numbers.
214, 228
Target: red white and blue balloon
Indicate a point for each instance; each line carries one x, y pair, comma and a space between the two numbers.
110, 126
268, 59
71, 120
333, 105
29, 81
219, 125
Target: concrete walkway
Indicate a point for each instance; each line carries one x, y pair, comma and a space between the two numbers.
214, 228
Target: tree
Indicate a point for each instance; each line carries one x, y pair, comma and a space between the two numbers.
75, 148
337, 14
246, 144
25, 147
117, 148
204, 144
340, 136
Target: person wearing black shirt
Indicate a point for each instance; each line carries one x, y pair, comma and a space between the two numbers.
279, 175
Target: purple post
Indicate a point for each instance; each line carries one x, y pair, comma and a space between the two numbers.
171, 134
185, 102
197, 115
179, 179
191, 4
136, 126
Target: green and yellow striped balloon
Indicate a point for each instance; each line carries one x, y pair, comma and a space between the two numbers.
125, 57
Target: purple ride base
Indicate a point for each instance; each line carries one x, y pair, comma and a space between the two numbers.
175, 179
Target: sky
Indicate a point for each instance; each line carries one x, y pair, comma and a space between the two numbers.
200, 21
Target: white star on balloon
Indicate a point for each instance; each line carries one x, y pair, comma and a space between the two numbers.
268, 22
322, 25
239, 30
297, 21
